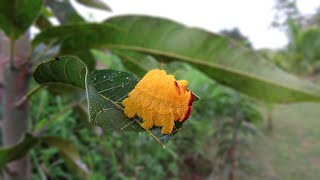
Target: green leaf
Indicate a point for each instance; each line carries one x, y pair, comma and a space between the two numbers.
17, 151
95, 4
105, 91
67, 33
70, 156
16, 16
218, 57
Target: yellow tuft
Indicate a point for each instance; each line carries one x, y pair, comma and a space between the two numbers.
159, 100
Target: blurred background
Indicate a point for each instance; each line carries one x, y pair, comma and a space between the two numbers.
228, 135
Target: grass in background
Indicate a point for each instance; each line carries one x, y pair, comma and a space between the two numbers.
292, 149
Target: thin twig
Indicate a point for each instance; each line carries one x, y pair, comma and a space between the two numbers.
25, 97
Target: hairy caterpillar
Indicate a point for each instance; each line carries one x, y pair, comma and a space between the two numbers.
159, 100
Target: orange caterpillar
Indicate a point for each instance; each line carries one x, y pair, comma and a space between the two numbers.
159, 100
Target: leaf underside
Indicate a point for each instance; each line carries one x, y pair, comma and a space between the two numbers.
218, 57
106, 89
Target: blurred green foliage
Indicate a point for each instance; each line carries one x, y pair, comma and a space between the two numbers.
222, 123
128, 155
302, 55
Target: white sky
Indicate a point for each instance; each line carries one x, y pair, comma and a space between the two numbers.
252, 17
